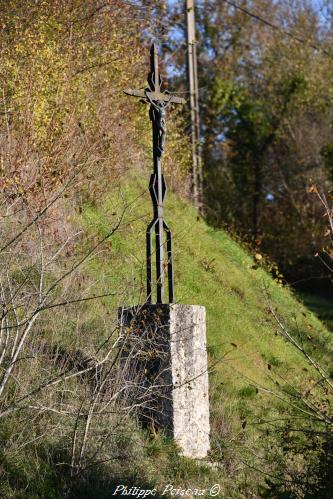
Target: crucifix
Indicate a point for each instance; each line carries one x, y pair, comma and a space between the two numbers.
158, 103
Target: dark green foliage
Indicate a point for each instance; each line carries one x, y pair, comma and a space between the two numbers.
327, 154
266, 123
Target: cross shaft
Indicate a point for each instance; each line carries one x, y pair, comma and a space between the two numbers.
158, 102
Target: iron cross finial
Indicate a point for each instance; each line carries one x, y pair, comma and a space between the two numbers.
158, 102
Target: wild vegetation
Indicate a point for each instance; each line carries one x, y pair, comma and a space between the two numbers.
265, 79
75, 159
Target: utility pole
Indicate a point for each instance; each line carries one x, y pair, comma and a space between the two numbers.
197, 180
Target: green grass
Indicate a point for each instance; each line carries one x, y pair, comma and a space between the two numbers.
255, 372
256, 375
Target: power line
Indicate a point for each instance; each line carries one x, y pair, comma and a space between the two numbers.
276, 27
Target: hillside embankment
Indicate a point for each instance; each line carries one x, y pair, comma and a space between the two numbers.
76, 160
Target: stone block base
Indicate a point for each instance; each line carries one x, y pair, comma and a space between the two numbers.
164, 365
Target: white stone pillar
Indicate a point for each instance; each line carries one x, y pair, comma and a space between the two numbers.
170, 342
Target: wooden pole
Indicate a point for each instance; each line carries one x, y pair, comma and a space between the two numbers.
196, 186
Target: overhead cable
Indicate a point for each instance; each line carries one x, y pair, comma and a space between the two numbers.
278, 28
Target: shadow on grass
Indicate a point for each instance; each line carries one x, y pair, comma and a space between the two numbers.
319, 305
42, 478
99, 487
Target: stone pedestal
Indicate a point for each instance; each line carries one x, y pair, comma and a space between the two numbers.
164, 367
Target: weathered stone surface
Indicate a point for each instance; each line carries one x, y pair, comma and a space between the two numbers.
166, 347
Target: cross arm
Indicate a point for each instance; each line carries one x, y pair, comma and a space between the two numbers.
155, 96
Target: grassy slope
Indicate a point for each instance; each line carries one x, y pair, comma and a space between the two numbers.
210, 268
253, 366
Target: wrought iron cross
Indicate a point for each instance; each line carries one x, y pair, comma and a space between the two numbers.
158, 103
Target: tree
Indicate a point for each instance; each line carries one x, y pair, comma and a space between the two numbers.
266, 114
